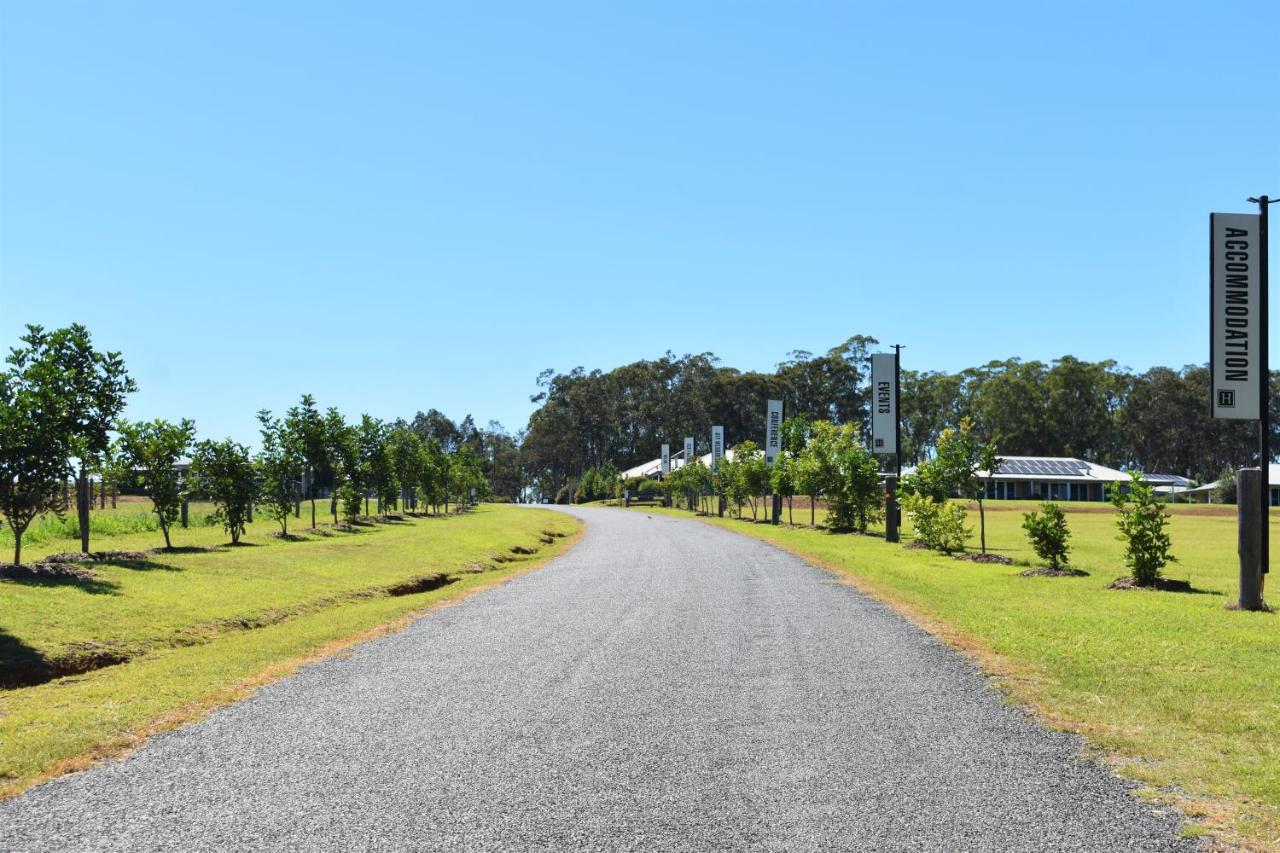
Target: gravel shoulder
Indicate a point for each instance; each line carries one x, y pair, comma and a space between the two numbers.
664, 686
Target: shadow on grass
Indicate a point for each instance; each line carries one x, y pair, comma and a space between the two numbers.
1126, 582
20, 664
91, 585
186, 549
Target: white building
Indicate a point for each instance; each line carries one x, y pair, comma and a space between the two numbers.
1209, 490
653, 468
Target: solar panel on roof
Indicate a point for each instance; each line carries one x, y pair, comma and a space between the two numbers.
1044, 467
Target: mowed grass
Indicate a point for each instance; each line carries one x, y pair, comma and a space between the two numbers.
203, 628
1174, 689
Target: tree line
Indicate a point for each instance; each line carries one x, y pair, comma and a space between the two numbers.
1156, 420
61, 402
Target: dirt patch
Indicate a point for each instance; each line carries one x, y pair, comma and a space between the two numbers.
95, 556
46, 571
915, 546
287, 537
1046, 572
502, 558
997, 559
522, 550
422, 583
1161, 585
554, 534
477, 568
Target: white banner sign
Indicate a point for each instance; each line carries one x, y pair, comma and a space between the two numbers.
717, 447
884, 403
666, 459
1235, 358
772, 431
688, 450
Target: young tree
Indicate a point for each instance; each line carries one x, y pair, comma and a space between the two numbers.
343, 452
34, 449
850, 475
306, 423
809, 475
962, 466
280, 466
434, 474
753, 471
377, 471
1048, 534
405, 447
150, 451
1142, 521
223, 470
783, 479
81, 391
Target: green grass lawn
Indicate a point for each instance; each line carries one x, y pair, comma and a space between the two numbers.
201, 628
1174, 689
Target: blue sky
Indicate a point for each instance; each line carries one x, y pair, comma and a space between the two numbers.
399, 206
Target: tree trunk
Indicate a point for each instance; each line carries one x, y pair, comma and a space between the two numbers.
790, 518
164, 528
313, 512
813, 510
17, 546
82, 508
982, 526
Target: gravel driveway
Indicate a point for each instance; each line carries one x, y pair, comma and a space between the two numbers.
664, 686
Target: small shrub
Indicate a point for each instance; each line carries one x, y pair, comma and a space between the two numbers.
1142, 521
939, 525
1048, 534
951, 532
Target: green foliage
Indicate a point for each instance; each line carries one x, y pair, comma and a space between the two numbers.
847, 473
939, 525
1142, 520
280, 466
377, 471
752, 472
307, 424
224, 472
598, 484
150, 451
962, 466
1226, 490
1047, 532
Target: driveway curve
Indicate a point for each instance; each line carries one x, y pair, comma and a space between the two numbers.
666, 685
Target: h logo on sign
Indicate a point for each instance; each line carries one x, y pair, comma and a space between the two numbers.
1227, 399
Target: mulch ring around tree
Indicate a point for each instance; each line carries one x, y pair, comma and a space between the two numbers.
1161, 584
96, 556
998, 559
47, 571
1047, 572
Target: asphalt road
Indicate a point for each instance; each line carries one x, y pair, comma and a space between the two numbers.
664, 686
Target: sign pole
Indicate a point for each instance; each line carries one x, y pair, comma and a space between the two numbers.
897, 408
1264, 391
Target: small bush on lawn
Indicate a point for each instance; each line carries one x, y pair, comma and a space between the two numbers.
939, 525
1142, 521
1048, 534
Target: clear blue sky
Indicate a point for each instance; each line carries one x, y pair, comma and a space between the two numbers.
398, 206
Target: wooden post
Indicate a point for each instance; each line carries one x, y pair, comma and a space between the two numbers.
185, 514
1249, 513
891, 509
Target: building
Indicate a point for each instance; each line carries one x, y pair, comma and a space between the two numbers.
653, 468
1207, 492
1056, 478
